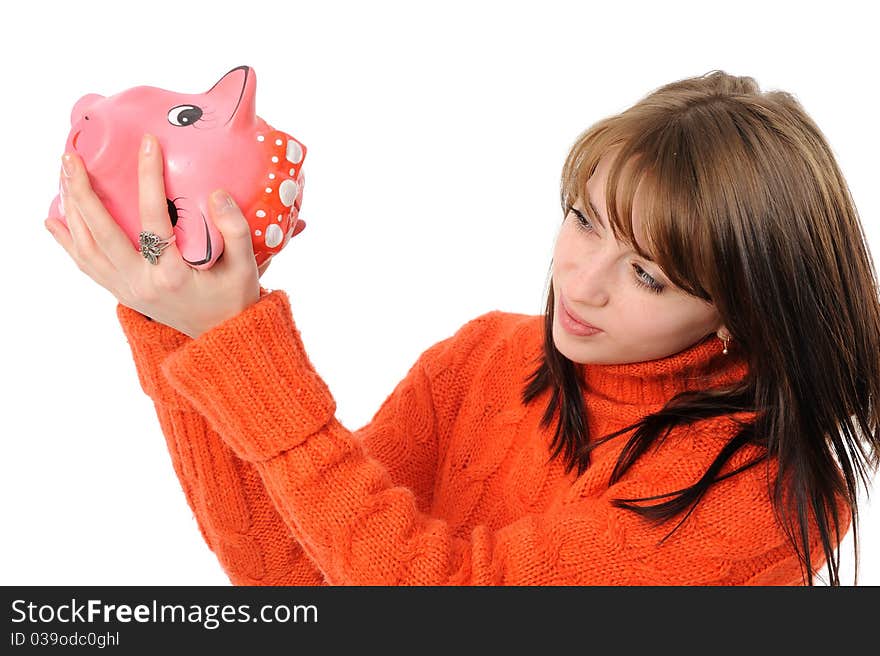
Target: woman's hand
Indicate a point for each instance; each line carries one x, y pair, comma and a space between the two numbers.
171, 292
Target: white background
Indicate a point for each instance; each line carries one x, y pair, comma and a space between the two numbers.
436, 136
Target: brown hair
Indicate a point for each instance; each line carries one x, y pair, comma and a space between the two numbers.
745, 208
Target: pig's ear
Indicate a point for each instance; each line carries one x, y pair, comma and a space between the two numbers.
233, 97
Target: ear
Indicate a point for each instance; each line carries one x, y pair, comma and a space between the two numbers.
234, 96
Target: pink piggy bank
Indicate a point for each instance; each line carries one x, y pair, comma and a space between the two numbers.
210, 140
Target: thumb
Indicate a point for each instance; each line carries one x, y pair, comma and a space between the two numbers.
238, 247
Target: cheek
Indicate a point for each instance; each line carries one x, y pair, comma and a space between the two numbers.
563, 255
557, 246
645, 316
655, 322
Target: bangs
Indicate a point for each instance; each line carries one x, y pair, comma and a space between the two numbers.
656, 164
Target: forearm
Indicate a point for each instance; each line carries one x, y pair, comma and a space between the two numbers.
233, 511
235, 515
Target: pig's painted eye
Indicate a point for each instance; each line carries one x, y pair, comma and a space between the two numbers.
173, 212
184, 115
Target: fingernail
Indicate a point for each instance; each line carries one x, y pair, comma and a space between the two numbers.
221, 200
147, 144
67, 164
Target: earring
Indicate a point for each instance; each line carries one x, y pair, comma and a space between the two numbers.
725, 339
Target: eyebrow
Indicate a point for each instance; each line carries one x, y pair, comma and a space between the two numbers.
601, 220
603, 224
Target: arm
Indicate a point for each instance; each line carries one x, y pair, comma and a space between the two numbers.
361, 527
234, 514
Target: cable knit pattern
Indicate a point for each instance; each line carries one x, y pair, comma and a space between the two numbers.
450, 483
233, 511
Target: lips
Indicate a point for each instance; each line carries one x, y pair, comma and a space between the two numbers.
566, 309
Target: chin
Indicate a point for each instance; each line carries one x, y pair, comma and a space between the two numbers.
579, 351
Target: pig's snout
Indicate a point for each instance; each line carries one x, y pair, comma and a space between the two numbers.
80, 109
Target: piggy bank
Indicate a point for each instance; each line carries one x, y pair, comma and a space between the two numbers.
209, 140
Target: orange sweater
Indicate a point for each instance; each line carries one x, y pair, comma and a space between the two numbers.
449, 484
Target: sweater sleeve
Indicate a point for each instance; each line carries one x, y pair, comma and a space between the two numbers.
233, 511
250, 377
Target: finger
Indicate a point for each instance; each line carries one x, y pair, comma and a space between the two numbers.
88, 256
238, 249
97, 268
81, 240
301, 182
300, 225
107, 234
152, 201
62, 235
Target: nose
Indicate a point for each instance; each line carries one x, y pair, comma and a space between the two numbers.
89, 139
589, 282
103, 142
82, 106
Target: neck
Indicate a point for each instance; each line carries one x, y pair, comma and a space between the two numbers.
654, 382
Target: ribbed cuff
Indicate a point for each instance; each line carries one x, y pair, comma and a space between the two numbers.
251, 378
151, 342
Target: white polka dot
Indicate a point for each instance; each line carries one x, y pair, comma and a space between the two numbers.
258, 232
280, 216
294, 152
268, 190
274, 159
273, 235
292, 171
287, 191
278, 142
260, 137
271, 176
261, 213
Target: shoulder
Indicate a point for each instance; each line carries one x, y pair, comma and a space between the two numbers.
487, 338
498, 325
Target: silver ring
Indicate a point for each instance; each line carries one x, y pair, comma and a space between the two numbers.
152, 245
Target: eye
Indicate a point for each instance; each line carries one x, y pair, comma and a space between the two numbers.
644, 279
184, 115
583, 222
172, 211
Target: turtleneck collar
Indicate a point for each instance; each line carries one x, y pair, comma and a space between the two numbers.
652, 382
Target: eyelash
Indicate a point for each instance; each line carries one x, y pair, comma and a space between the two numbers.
652, 286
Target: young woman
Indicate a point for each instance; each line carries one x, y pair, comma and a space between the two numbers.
696, 406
